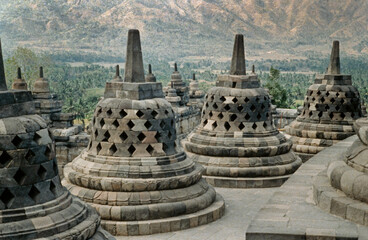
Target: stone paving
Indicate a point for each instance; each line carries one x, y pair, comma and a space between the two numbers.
241, 206
291, 212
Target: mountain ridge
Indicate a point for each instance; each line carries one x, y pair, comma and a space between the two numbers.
180, 28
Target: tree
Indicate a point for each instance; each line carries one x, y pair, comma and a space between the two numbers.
278, 93
29, 62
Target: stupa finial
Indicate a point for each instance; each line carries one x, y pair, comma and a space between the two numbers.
238, 59
253, 69
134, 71
334, 67
175, 67
194, 76
117, 77
19, 73
3, 86
117, 71
149, 69
41, 72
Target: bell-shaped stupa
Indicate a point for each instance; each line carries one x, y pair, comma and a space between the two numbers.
150, 76
132, 172
19, 83
236, 141
330, 108
342, 189
196, 95
33, 203
179, 85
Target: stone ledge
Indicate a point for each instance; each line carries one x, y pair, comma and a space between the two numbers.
233, 182
137, 91
337, 203
304, 156
131, 228
291, 212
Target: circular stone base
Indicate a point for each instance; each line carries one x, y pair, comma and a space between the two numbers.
304, 156
233, 182
336, 202
132, 228
102, 235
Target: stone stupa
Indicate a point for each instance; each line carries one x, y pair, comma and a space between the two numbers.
133, 172
177, 83
33, 203
236, 141
150, 76
70, 138
196, 95
187, 115
19, 83
330, 108
342, 189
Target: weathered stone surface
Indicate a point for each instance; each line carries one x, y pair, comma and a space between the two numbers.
187, 113
236, 140
41, 85
196, 96
350, 176
3, 86
282, 117
133, 173
150, 77
19, 83
134, 63
237, 61
330, 108
291, 212
33, 203
70, 140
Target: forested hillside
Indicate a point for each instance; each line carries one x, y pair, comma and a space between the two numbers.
95, 30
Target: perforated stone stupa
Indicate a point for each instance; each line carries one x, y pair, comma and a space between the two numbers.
70, 138
33, 203
342, 189
236, 141
132, 172
331, 106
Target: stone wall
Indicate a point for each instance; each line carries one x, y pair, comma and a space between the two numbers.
283, 117
187, 118
69, 144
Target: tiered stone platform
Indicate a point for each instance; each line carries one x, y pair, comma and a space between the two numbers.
236, 140
133, 172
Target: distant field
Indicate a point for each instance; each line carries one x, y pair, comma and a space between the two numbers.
99, 92
299, 102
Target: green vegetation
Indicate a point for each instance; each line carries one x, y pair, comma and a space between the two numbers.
278, 93
81, 87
